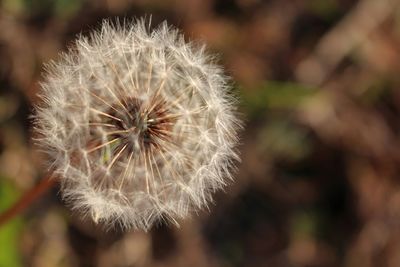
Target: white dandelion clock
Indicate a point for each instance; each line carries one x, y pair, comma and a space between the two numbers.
139, 125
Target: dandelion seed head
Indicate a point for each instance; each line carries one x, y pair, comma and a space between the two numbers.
139, 125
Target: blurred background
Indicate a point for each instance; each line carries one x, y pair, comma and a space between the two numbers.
319, 181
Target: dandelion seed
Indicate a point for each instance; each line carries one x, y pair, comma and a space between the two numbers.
151, 131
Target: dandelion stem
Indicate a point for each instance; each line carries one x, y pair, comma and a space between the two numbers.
27, 199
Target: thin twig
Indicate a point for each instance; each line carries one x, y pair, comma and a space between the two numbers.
352, 31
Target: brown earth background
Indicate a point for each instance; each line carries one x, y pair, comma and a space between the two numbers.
319, 181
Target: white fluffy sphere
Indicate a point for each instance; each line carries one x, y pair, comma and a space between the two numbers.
139, 125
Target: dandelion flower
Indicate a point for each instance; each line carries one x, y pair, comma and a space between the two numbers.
139, 125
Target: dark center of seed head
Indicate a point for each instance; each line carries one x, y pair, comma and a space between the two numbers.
142, 126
